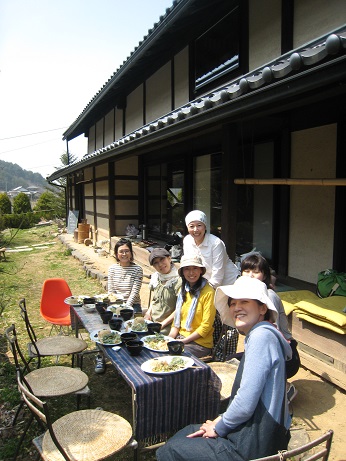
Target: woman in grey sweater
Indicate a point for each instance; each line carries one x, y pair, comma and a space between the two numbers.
256, 422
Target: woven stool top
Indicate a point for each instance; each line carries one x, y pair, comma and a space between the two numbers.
55, 381
226, 372
88, 435
60, 345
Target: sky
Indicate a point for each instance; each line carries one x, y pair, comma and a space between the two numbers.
55, 55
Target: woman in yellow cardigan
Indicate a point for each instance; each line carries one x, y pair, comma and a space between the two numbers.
195, 310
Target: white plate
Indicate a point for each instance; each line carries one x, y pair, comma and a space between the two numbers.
73, 301
94, 336
148, 338
128, 326
150, 364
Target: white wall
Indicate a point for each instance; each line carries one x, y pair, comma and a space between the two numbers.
313, 18
312, 208
181, 78
158, 93
134, 110
264, 32
109, 127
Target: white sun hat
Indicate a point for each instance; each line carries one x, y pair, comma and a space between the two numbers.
196, 215
243, 288
191, 260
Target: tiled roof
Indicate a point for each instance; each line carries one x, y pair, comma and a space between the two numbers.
297, 62
128, 61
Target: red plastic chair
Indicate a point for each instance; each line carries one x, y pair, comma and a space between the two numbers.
53, 308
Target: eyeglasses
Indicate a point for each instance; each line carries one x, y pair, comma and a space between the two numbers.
124, 252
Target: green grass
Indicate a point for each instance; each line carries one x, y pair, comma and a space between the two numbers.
22, 276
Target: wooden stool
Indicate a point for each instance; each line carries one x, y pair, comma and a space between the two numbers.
3, 254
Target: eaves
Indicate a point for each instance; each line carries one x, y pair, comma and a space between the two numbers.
277, 84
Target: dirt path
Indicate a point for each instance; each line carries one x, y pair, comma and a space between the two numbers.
319, 405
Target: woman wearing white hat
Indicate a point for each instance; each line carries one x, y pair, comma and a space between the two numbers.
195, 310
220, 270
256, 422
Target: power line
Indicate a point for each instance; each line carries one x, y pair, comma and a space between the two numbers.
26, 147
31, 134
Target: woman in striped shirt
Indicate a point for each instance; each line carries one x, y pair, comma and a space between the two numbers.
125, 278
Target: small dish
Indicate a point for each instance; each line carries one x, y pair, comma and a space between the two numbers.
89, 307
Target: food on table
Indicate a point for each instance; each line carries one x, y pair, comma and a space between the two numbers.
164, 366
108, 337
138, 324
158, 342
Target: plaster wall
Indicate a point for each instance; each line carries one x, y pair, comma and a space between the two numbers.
102, 188
126, 166
89, 206
264, 32
312, 208
102, 206
99, 134
118, 123
109, 127
101, 170
134, 110
88, 174
91, 139
313, 18
181, 78
158, 93
88, 190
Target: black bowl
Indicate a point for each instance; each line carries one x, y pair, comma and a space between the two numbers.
101, 307
130, 336
126, 314
175, 347
115, 323
89, 301
134, 347
106, 316
153, 328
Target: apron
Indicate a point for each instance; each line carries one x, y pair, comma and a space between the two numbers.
259, 437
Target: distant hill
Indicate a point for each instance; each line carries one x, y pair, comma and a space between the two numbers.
12, 175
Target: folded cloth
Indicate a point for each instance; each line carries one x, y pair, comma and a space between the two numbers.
326, 309
321, 323
290, 298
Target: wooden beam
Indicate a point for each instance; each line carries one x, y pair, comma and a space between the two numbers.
290, 182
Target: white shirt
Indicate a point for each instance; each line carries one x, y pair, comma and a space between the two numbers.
220, 268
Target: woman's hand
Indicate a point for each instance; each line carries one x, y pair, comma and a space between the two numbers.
206, 430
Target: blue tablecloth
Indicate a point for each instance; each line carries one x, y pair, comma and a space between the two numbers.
163, 404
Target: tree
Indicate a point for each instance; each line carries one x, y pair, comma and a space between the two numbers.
21, 203
51, 205
5, 204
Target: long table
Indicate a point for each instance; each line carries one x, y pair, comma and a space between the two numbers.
161, 404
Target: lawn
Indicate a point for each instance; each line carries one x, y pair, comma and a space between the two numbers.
22, 276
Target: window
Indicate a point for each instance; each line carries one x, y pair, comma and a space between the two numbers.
207, 190
255, 203
217, 50
166, 195
165, 200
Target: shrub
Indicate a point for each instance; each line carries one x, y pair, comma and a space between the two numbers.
21, 203
5, 204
